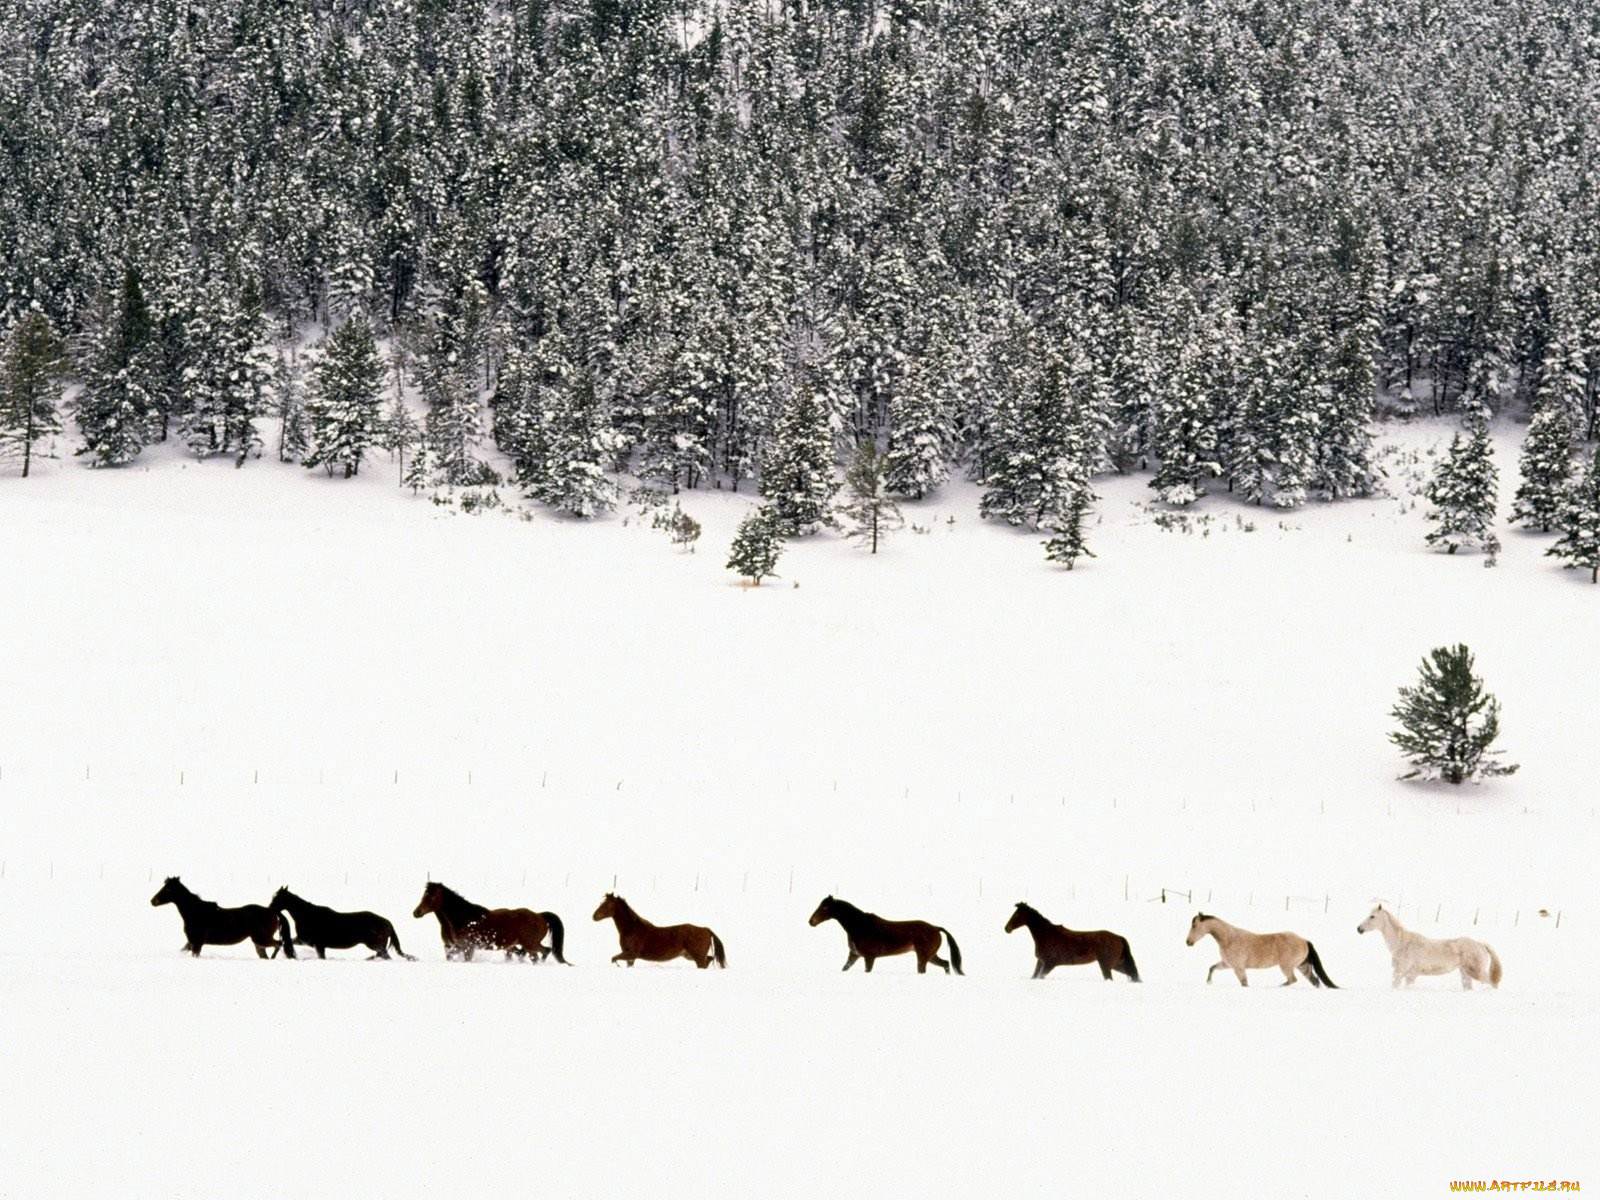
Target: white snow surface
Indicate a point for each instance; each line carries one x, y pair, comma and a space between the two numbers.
264, 676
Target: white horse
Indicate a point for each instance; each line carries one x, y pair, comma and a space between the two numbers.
1415, 955
1241, 949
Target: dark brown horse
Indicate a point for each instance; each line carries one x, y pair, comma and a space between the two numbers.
325, 929
467, 927
659, 943
871, 937
1057, 946
208, 924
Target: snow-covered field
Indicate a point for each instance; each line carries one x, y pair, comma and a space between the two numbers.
266, 677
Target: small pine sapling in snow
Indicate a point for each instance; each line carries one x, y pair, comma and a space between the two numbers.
869, 510
401, 432
420, 474
1066, 544
683, 529
1580, 523
756, 547
1448, 721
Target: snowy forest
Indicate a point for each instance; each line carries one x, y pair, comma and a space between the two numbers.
724, 244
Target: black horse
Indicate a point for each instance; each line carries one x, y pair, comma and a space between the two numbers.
326, 929
208, 924
872, 937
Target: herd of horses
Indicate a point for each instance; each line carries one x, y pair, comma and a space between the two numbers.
466, 928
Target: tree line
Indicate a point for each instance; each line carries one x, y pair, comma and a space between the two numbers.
725, 244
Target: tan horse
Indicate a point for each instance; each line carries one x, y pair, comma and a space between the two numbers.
659, 943
1415, 955
1243, 950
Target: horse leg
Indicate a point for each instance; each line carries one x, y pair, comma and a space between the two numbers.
1466, 979
1244, 980
938, 962
1288, 975
1105, 970
1215, 967
851, 961
869, 961
322, 953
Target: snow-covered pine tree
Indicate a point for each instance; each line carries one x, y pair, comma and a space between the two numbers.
122, 378
1342, 447
797, 463
289, 402
402, 433
870, 512
1068, 538
32, 365
1548, 446
1462, 490
1580, 523
1183, 433
580, 446
345, 405
757, 546
226, 374
1448, 721
1030, 472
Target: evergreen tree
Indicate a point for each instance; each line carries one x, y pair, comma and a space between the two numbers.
1183, 433
1448, 721
32, 364
289, 401
869, 510
343, 410
1462, 490
1546, 469
797, 465
1580, 523
580, 445
122, 380
1067, 542
917, 458
401, 433
757, 546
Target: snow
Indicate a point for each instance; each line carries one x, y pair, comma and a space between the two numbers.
264, 676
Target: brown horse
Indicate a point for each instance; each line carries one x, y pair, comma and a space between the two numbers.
1057, 946
208, 924
467, 927
871, 937
659, 943
326, 929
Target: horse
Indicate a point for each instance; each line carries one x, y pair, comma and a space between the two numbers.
1415, 955
1057, 946
659, 943
324, 928
1241, 949
466, 927
209, 924
871, 937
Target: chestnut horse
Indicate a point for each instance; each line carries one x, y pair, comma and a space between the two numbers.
467, 927
1057, 946
1242, 950
325, 929
208, 924
659, 943
871, 937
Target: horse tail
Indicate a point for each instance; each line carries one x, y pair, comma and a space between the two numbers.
1316, 965
1126, 966
1494, 966
558, 936
955, 950
717, 951
285, 935
394, 940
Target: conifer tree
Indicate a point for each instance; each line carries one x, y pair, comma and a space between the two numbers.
1462, 490
402, 432
757, 546
289, 401
32, 363
870, 512
1546, 469
797, 465
1580, 523
1067, 542
343, 410
1183, 433
917, 458
122, 380
580, 445
1448, 721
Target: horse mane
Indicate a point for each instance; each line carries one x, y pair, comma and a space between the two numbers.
846, 906
459, 901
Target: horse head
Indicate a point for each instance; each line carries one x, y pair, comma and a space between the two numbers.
825, 911
432, 896
1197, 928
1372, 922
169, 893
608, 907
1019, 918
